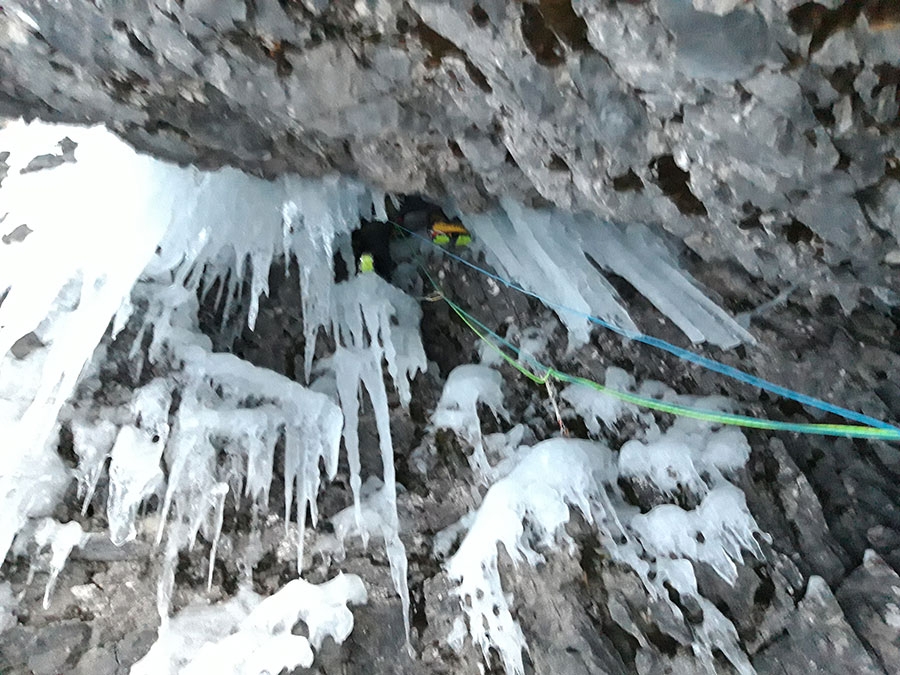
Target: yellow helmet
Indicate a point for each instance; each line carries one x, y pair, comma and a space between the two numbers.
366, 263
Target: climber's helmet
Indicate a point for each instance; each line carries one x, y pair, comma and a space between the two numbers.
444, 233
366, 263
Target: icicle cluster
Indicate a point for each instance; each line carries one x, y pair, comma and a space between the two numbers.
374, 322
207, 426
527, 508
86, 255
73, 249
557, 255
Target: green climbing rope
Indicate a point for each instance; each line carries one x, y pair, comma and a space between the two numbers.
492, 340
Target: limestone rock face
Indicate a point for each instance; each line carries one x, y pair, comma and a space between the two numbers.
817, 640
758, 139
871, 600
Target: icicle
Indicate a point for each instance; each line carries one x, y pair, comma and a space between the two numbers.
638, 255
542, 261
376, 515
92, 443
530, 248
214, 405
315, 214
304, 497
396, 552
217, 495
347, 366
61, 539
291, 464
134, 473
176, 541
365, 309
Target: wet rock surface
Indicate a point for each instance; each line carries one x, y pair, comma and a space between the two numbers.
773, 160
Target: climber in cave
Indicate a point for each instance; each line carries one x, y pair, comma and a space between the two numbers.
372, 248
417, 215
372, 241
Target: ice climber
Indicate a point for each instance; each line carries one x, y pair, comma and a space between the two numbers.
371, 242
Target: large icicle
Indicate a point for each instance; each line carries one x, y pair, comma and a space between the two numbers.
636, 254
79, 248
376, 322
555, 255
533, 248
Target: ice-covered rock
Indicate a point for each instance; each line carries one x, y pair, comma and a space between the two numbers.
594, 406
554, 475
684, 116
714, 533
457, 410
251, 634
526, 510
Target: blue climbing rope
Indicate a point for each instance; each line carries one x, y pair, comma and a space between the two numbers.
680, 352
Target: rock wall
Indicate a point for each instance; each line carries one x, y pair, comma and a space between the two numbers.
823, 596
760, 135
